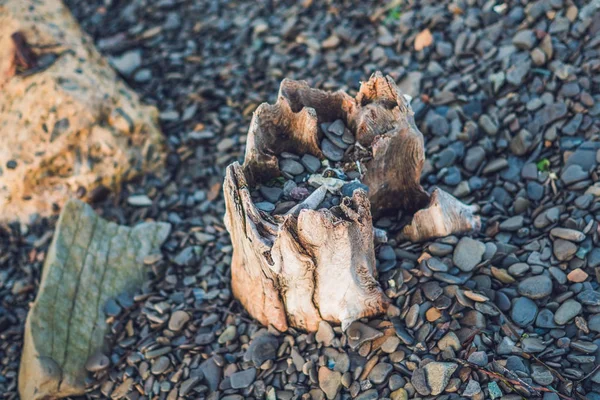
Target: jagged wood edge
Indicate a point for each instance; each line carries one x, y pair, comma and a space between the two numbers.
283, 273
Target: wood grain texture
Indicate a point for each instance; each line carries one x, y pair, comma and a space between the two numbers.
298, 269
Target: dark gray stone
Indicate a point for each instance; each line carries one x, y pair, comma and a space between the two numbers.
524, 311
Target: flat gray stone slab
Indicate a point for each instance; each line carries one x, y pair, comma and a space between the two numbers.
89, 262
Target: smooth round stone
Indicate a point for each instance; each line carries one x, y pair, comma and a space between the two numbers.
472, 388
228, 334
330, 382
474, 318
584, 201
541, 375
518, 269
479, 358
512, 224
535, 191
143, 75
524, 39
502, 301
577, 275
97, 362
468, 254
387, 265
336, 140
445, 158
178, 320
337, 127
412, 316
265, 206
331, 151
567, 311
432, 290
160, 365
243, 379
440, 249
533, 345
271, 194
311, 163
402, 394
564, 250
558, 275
535, 287
442, 303
390, 345
515, 363
487, 309
545, 319
348, 137
589, 297
325, 333
584, 346
290, 166
380, 372
261, 349
396, 382
419, 382
475, 296
450, 340
436, 265
111, 308
524, 311
482, 282
568, 234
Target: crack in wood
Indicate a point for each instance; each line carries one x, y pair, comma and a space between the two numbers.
74, 300
101, 287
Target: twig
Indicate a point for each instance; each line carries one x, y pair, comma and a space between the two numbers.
523, 383
511, 381
590, 374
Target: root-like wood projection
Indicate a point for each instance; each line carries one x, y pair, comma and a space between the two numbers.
310, 264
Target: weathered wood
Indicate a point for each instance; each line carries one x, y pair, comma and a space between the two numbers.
290, 273
312, 265
444, 215
89, 262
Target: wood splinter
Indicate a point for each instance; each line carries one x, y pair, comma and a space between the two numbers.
310, 264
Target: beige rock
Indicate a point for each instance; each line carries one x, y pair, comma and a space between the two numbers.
438, 375
67, 123
89, 262
577, 275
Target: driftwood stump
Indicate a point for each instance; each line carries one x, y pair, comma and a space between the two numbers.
311, 265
